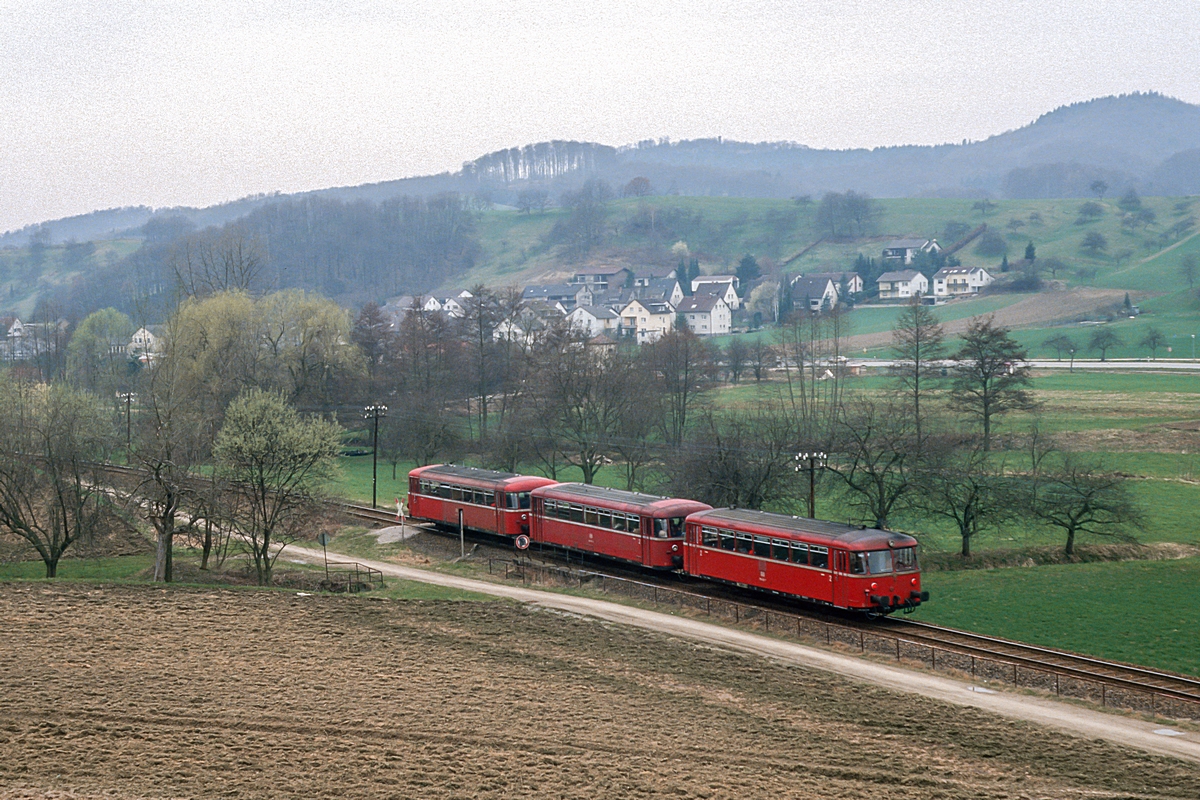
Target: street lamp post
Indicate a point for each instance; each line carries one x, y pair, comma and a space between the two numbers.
374, 412
816, 460
1072, 360
128, 398
1193, 347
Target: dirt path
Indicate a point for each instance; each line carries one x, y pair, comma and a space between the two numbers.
1073, 719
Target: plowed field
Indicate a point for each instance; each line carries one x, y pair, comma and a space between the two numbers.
128, 692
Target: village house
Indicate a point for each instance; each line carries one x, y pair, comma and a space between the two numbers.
706, 314
955, 281
146, 343
902, 284
648, 321
849, 282
594, 320
904, 250
643, 277
816, 293
569, 294
601, 278
726, 290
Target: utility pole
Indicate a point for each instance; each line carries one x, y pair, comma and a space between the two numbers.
128, 398
816, 460
374, 412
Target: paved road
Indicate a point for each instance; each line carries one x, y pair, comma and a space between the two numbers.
1077, 720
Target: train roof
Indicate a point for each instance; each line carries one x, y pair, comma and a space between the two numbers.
764, 522
619, 498
454, 473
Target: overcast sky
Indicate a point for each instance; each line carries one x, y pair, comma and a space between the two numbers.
118, 103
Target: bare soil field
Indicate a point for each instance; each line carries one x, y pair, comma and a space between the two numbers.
1044, 308
131, 692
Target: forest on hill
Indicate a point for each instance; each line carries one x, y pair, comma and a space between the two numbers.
1148, 142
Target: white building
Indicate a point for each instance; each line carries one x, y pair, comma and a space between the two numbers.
706, 314
903, 250
726, 290
820, 293
594, 320
902, 284
956, 281
647, 321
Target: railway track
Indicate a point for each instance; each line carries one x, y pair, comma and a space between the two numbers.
1062, 662
986, 657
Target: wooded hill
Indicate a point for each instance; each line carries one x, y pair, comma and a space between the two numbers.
1145, 141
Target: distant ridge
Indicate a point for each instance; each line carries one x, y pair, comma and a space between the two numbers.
1145, 141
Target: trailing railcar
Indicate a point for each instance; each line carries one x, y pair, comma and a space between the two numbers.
630, 526
490, 502
838, 565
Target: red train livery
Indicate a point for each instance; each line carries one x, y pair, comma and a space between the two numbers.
492, 502
642, 528
843, 566
827, 563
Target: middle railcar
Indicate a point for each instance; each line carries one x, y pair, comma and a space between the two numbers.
630, 526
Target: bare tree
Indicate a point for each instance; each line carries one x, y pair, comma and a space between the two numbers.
918, 343
990, 376
875, 456
958, 481
743, 460
1081, 498
736, 356
215, 261
684, 367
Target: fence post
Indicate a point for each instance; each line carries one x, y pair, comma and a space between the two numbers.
972, 667
1102, 697
897, 648
862, 642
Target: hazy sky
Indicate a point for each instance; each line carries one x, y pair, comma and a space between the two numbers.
191, 103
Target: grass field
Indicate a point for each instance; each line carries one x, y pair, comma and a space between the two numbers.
1142, 612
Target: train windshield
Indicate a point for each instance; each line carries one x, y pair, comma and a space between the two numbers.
518, 499
906, 559
879, 562
668, 528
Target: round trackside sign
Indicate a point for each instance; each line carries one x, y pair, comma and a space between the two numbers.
522, 542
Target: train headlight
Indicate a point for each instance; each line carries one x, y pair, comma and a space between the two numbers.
674, 548
524, 516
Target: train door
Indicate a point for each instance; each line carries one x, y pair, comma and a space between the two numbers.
839, 563
647, 529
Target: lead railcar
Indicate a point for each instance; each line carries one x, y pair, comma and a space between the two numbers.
643, 528
862, 569
490, 501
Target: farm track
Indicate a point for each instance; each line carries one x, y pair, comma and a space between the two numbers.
1060, 664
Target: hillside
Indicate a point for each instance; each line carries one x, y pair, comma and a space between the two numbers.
1146, 141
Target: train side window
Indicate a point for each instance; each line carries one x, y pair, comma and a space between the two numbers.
660, 528
510, 500
590, 516
456, 493
779, 549
745, 543
709, 537
819, 556
523, 499
576, 513
762, 547
728, 540
444, 491
799, 553
676, 528
858, 564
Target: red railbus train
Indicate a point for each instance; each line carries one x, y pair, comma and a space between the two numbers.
861, 569
491, 502
643, 528
824, 562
